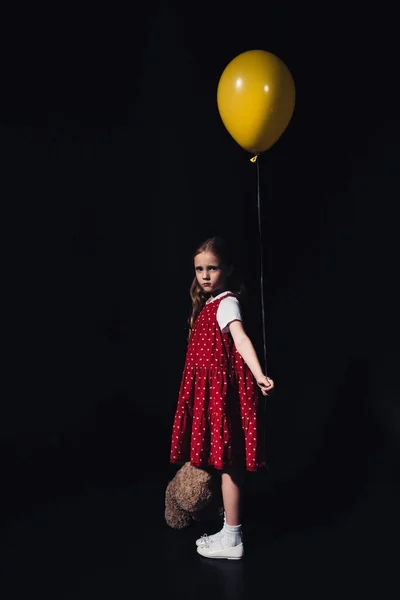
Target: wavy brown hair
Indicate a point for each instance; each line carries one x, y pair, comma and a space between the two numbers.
234, 281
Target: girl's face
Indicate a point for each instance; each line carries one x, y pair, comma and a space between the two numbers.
210, 274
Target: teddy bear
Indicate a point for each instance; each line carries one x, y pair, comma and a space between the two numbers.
194, 494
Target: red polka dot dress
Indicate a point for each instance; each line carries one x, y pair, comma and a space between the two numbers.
218, 420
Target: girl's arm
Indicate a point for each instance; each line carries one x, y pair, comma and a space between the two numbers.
247, 352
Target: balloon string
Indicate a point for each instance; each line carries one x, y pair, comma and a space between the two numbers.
261, 264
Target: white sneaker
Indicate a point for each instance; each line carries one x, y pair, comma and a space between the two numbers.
204, 539
214, 549
215, 536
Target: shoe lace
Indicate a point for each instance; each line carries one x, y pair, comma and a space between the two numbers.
205, 540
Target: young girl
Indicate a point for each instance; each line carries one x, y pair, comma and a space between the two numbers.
218, 422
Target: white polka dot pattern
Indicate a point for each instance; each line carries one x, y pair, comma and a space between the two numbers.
217, 420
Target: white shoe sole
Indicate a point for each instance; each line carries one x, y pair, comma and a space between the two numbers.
234, 553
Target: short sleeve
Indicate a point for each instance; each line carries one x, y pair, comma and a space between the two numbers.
228, 311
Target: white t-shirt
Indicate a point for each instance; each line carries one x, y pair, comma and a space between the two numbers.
228, 311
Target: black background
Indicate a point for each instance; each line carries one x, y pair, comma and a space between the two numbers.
115, 164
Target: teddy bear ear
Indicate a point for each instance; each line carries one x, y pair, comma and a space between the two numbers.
198, 473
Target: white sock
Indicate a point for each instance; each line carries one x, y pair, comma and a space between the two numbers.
231, 535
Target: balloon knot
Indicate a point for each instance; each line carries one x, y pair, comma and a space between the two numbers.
254, 158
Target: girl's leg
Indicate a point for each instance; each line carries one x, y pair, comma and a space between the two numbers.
232, 481
227, 543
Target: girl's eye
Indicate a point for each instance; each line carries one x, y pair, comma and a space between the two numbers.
208, 268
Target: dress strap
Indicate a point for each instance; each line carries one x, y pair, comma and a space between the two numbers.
218, 300
230, 294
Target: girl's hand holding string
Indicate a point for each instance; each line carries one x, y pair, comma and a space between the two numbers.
266, 384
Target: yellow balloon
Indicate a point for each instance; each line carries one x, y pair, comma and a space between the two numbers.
256, 98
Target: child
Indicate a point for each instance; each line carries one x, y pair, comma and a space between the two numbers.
218, 422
